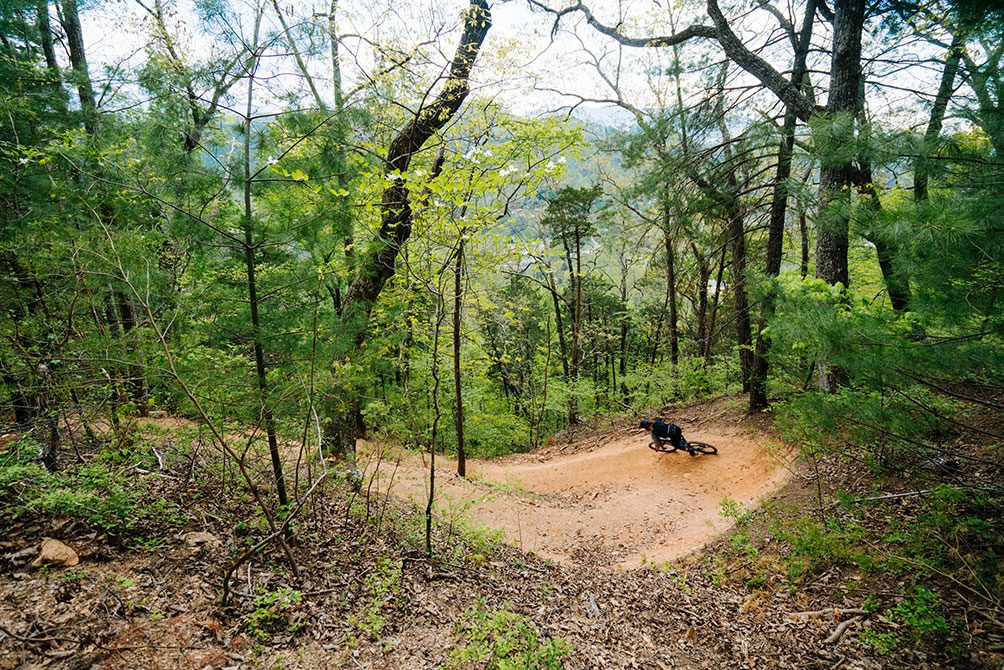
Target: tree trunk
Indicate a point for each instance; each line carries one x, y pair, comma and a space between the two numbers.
657, 336
438, 327
458, 296
560, 325
70, 20
775, 242
714, 307
744, 336
336, 63
837, 177
573, 368
703, 277
803, 229
252, 288
48, 49
378, 264
624, 324
543, 397
922, 168
674, 333
778, 212
135, 385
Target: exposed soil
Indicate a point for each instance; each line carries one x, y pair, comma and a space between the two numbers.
595, 502
608, 500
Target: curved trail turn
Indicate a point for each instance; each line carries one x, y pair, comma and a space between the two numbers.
608, 501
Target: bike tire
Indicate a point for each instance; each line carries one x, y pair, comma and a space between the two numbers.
661, 448
704, 448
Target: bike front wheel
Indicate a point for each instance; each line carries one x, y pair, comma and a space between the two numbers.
704, 448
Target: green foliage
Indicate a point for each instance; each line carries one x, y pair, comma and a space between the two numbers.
274, 613
497, 434
503, 640
735, 510
457, 538
814, 545
919, 618
882, 643
105, 497
382, 587
921, 613
692, 379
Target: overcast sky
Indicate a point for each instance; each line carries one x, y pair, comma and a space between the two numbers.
521, 64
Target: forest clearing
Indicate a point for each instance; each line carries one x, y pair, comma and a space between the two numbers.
608, 500
501, 334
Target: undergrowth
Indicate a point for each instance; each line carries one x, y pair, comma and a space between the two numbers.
501, 639
106, 496
919, 522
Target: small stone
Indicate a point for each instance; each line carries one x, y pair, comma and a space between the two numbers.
198, 538
54, 552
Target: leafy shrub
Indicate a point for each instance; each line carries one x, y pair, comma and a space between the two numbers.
815, 545
382, 587
106, 498
272, 614
882, 643
491, 435
504, 640
921, 614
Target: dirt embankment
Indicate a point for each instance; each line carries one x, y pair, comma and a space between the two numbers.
607, 500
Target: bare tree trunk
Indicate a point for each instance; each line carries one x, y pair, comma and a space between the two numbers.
657, 337
48, 49
778, 211
674, 332
543, 399
250, 268
573, 368
714, 307
922, 166
440, 309
744, 336
135, 385
559, 323
458, 296
70, 20
50, 454
803, 229
837, 177
703, 276
624, 323
47, 408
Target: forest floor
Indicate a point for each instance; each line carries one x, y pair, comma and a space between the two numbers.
593, 506
604, 499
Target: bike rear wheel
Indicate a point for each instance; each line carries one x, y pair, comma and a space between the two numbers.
704, 448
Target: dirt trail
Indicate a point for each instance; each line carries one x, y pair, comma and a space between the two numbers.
608, 501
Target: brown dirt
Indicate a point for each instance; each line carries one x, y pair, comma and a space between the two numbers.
125, 608
608, 500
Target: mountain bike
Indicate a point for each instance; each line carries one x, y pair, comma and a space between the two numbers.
665, 446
